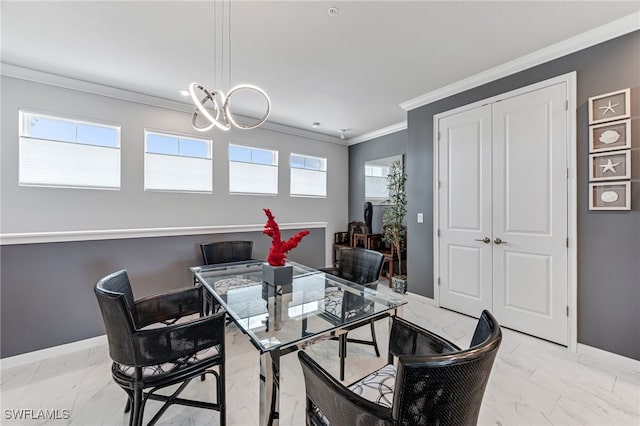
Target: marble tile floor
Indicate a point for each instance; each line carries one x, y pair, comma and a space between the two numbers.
533, 382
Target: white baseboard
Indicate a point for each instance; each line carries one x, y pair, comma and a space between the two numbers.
609, 357
36, 356
42, 354
424, 299
602, 355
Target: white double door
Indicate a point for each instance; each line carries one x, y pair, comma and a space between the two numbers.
502, 170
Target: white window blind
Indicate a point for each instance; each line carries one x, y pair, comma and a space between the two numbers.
63, 152
168, 173
252, 170
308, 176
177, 163
375, 182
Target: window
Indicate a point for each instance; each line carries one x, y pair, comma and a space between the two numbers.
308, 176
177, 163
252, 170
63, 152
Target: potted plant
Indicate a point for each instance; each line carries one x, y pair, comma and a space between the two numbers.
393, 219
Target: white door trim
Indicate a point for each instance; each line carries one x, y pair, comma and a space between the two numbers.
572, 203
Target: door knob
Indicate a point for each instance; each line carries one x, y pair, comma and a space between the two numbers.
485, 240
499, 241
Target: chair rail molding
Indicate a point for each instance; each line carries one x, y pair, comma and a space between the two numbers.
114, 234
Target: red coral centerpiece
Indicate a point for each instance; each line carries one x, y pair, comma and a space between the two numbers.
279, 248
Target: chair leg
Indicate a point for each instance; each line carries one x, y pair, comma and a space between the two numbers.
222, 399
128, 406
373, 336
136, 414
342, 353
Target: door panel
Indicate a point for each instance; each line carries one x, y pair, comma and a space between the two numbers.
465, 213
524, 159
464, 144
530, 213
465, 282
527, 285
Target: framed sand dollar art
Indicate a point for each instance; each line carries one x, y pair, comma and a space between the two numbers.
610, 136
610, 196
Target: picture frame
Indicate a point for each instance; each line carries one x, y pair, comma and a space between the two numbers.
610, 106
613, 165
610, 136
610, 196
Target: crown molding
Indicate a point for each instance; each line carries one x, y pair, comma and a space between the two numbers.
42, 77
281, 128
377, 133
36, 76
115, 234
589, 38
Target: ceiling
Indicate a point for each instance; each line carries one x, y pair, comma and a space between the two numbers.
347, 71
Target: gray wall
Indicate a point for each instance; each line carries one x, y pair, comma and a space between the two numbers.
359, 154
608, 242
131, 206
46, 288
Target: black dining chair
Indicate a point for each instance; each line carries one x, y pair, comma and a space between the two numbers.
149, 355
223, 252
363, 267
226, 251
433, 382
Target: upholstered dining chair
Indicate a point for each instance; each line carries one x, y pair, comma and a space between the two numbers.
149, 355
433, 382
363, 267
226, 251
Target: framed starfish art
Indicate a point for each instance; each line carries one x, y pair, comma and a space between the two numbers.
610, 106
610, 165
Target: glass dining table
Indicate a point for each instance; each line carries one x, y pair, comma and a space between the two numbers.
279, 320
